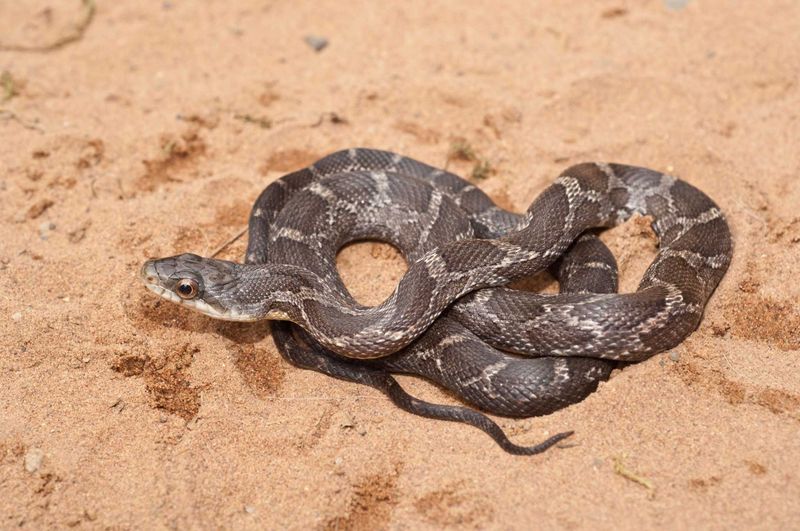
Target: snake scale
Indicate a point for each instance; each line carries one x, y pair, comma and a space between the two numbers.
450, 319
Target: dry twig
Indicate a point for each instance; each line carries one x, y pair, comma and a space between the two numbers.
89, 8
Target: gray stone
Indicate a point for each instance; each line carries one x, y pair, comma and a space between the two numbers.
316, 42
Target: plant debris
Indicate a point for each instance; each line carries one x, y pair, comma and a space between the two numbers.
263, 123
621, 470
89, 8
9, 87
460, 149
482, 170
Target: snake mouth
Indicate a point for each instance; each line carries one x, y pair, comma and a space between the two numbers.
164, 293
152, 281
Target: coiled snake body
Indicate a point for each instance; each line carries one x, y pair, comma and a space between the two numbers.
450, 320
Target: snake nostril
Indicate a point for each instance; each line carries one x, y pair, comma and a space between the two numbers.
147, 273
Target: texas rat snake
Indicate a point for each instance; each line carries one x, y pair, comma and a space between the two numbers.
461, 247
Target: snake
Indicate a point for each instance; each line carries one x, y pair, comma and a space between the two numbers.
452, 319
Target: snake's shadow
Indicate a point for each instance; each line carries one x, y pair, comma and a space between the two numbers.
243, 333
150, 313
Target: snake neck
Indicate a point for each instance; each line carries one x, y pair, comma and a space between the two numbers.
273, 291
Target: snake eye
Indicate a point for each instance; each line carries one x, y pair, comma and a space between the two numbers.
186, 288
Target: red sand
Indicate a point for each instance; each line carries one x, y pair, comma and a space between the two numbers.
154, 132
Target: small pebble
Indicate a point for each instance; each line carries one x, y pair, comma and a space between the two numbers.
346, 421
675, 355
249, 509
16, 316
45, 227
338, 466
33, 460
676, 4
316, 42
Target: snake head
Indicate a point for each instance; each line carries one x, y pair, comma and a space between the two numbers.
202, 284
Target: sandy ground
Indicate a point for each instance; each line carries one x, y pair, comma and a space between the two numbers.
153, 133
